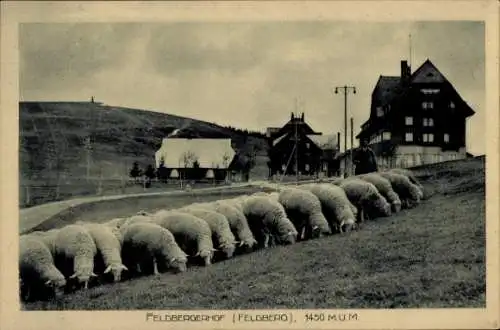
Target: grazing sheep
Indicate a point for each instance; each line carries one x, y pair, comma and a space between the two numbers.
407, 191
335, 206
366, 198
48, 238
75, 251
222, 236
303, 208
411, 176
149, 246
237, 222
384, 187
237, 201
38, 273
191, 233
267, 220
108, 247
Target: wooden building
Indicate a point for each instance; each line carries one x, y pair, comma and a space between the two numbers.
316, 153
416, 118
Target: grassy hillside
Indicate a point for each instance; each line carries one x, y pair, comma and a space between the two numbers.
428, 257
52, 136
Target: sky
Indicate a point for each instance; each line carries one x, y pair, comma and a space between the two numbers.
247, 75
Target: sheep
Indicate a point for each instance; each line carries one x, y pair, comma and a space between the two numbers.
191, 233
75, 251
384, 187
237, 201
237, 222
219, 225
146, 244
407, 191
335, 205
108, 247
303, 208
48, 238
268, 220
37, 269
411, 176
366, 198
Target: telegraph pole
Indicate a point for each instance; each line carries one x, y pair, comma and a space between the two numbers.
296, 147
345, 90
352, 141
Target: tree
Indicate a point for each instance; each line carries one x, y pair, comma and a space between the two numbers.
135, 172
149, 173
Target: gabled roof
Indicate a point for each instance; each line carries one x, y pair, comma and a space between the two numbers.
210, 153
277, 140
427, 73
387, 88
324, 141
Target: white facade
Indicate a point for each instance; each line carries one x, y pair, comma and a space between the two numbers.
409, 156
182, 153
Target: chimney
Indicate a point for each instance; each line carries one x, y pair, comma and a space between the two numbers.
292, 116
405, 71
302, 117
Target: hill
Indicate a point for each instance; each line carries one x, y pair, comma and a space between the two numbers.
53, 153
432, 256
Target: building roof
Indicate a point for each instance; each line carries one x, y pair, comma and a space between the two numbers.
324, 141
388, 88
181, 153
277, 140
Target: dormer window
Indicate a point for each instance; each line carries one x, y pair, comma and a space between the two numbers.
430, 91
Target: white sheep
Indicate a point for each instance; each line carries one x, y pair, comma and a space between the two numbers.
303, 208
36, 267
237, 201
366, 198
411, 176
384, 187
237, 222
108, 247
335, 205
222, 235
191, 233
267, 220
408, 193
148, 244
75, 251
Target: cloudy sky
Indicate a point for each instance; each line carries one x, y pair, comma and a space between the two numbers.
246, 75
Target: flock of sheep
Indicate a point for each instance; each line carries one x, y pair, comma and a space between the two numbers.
65, 259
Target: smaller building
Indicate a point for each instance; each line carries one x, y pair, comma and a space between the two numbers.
296, 147
194, 159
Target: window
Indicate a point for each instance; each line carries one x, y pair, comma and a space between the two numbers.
427, 105
428, 122
446, 137
409, 121
428, 137
307, 167
452, 105
409, 137
428, 91
307, 145
386, 136
380, 112
325, 167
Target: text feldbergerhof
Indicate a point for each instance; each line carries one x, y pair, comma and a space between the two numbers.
157, 317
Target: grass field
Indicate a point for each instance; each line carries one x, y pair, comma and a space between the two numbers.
428, 257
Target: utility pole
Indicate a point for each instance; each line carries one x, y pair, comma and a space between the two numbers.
296, 146
352, 142
345, 90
